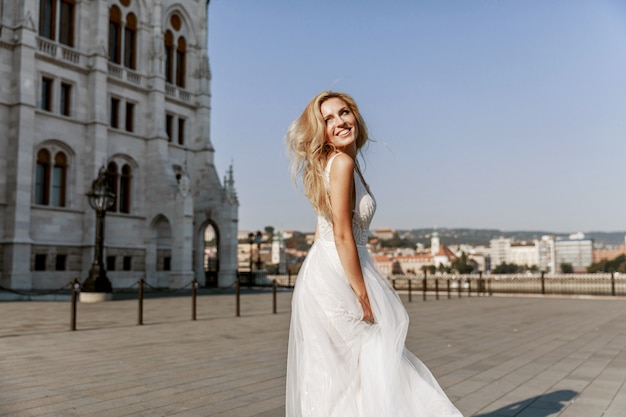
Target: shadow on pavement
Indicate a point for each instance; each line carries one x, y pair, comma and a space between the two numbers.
540, 406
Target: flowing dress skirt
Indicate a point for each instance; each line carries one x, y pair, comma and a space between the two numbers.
340, 366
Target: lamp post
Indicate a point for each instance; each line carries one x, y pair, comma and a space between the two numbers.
259, 237
100, 199
251, 242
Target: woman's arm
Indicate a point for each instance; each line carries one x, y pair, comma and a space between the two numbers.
342, 203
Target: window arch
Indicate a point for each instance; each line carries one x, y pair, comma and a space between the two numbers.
42, 178
66, 22
123, 36
112, 181
169, 57
175, 52
115, 34
120, 183
59, 175
50, 21
125, 189
51, 178
130, 41
180, 62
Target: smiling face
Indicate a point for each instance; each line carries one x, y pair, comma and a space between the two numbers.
341, 125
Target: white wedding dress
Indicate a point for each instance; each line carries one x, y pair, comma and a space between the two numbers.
340, 366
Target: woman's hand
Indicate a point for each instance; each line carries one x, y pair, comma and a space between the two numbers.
368, 315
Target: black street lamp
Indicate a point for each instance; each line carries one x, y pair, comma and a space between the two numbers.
259, 237
100, 199
251, 242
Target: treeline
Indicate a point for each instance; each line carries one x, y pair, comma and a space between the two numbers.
616, 265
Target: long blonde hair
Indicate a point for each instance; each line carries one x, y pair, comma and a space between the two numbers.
308, 148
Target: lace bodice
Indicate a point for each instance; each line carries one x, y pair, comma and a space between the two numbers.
362, 214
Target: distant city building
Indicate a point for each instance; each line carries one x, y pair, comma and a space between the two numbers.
408, 261
524, 254
413, 264
119, 84
608, 254
384, 264
278, 253
500, 249
435, 245
546, 252
385, 233
577, 250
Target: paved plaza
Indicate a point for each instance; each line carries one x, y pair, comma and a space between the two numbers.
494, 356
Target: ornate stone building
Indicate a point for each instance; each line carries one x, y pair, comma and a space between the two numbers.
119, 83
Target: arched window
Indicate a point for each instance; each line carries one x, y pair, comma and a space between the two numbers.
125, 189
120, 184
112, 179
130, 35
169, 57
115, 34
66, 22
42, 178
175, 52
51, 178
59, 174
180, 62
48, 19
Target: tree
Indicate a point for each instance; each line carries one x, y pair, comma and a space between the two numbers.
462, 266
298, 242
567, 268
505, 268
616, 265
396, 242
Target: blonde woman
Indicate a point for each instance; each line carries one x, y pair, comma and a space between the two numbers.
348, 326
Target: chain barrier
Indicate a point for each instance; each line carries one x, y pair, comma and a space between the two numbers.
74, 287
64, 288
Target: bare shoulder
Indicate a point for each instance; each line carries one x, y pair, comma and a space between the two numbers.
342, 166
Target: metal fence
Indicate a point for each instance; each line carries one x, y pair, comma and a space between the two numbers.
609, 284
448, 285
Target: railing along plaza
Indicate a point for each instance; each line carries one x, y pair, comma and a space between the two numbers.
609, 284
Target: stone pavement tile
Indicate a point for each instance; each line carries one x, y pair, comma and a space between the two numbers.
491, 355
618, 405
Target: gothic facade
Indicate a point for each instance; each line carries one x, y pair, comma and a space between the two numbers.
123, 84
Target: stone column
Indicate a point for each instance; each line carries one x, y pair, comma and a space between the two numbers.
19, 153
97, 126
182, 237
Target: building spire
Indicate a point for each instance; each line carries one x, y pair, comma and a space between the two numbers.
229, 185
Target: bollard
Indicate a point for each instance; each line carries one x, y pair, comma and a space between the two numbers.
458, 287
612, 283
140, 303
481, 284
75, 289
469, 287
543, 283
410, 295
436, 288
237, 295
448, 284
194, 288
424, 286
274, 296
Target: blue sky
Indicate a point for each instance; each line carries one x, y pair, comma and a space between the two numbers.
482, 113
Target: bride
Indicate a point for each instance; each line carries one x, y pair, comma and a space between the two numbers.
348, 326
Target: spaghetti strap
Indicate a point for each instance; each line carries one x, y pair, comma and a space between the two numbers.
330, 161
